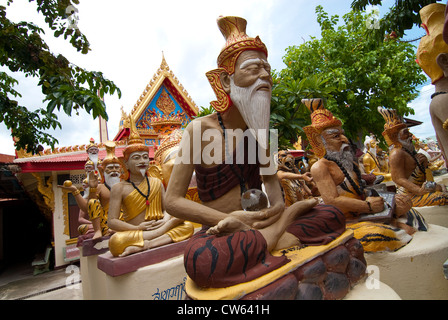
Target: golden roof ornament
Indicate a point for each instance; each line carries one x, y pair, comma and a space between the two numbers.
321, 119
394, 123
431, 45
134, 142
237, 41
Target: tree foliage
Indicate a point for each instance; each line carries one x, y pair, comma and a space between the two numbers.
65, 85
401, 17
353, 73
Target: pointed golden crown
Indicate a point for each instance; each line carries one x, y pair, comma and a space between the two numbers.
110, 154
135, 142
237, 41
394, 123
321, 119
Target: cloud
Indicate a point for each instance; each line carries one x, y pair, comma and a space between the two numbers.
421, 109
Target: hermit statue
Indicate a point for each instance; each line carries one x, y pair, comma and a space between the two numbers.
145, 224
235, 245
339, 181
432, 57
408, 168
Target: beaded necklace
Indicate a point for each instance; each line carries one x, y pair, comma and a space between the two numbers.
146, 196
412, 154
358, 189
241, 167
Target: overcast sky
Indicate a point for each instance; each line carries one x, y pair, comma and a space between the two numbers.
128, 37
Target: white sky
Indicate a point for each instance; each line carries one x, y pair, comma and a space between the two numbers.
127, 39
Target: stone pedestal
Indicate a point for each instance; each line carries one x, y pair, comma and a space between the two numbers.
92, 279
415, 272
156, 274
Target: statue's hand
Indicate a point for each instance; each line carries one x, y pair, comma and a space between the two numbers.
68, 186
229, 225
403, 204
376, 203
259, 219
151, 225
93, 180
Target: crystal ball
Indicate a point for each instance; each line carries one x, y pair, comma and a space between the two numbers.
254, 200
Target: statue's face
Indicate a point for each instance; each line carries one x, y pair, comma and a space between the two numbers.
138, 162
93, 150
250, 66
113, 169
335, 140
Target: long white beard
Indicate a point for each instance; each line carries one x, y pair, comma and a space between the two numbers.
407, 144
345, 157
254, 107
111, 180
94, 158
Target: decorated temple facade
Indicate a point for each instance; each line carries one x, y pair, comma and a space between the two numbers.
163, 107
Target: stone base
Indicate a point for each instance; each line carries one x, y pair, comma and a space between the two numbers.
314, 273
93, 279
117, 266
161, 281
363, 291
415, 272
437, 215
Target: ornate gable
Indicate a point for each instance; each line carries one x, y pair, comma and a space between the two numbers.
163, 107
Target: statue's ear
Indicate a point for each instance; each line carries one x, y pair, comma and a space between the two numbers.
442, 61
225, 81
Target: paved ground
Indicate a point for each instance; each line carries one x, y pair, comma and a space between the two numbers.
19, 283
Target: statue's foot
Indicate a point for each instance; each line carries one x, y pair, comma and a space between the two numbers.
98, 234
299, 208
132, 249
227, 226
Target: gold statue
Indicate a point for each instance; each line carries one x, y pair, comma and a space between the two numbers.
145, 222
371, 161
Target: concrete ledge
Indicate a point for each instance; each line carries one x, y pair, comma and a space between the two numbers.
437, 215
160, 281
362, 291
117, 266
415, 272
93, 247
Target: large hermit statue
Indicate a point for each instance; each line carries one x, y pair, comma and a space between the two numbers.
235, 245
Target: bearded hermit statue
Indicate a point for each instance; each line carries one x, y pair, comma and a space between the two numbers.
408, 168
236, 237
339, 181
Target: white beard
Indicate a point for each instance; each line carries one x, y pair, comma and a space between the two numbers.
255, 108
111, 180
94, 158
407, 144
345, 157
143, 172
373, 151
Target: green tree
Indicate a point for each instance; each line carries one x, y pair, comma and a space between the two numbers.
64, 84
401, 17
355, 74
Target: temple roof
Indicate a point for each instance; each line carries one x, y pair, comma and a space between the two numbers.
164, 101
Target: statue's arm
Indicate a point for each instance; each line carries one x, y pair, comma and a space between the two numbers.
330, 195
398, 173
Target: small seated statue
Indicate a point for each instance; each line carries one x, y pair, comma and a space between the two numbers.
339, 181
408, 168
292, 181
371, 161
145, 224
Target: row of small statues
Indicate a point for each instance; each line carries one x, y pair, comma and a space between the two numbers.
235, 245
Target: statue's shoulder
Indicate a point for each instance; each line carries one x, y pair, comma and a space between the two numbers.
206, 122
